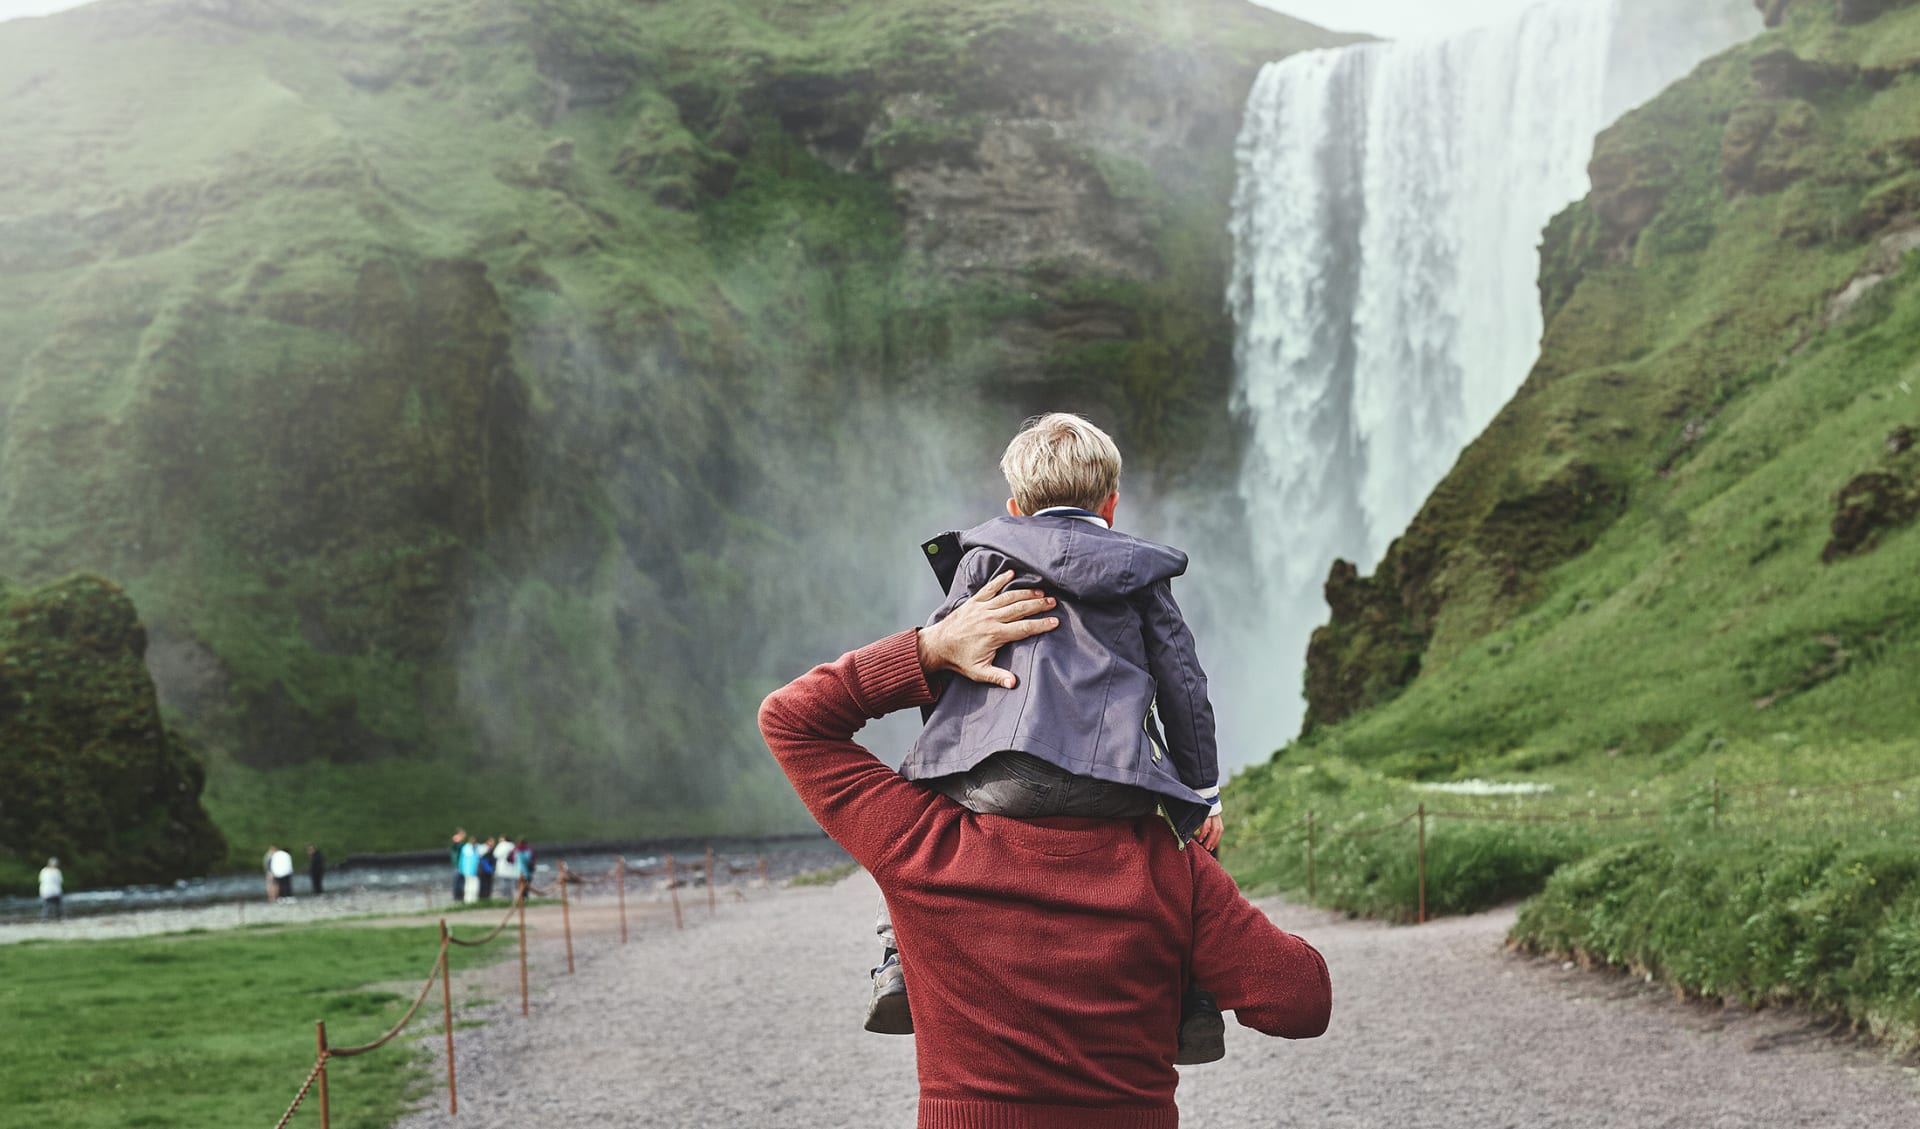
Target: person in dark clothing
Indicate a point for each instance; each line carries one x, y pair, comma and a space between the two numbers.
316, 867
459, 876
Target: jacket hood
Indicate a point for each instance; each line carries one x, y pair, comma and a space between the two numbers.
1079, 558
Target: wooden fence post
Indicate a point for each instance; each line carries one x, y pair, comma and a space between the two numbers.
446, 1004
320, 1032
1310, 889
566, 915
710, 881
1423, 864
620, 877
673, 892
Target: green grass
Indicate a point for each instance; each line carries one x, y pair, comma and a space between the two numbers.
205, 1029
825, 877
1826, 919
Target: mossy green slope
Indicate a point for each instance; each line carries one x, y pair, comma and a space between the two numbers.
475, 396
1678, 579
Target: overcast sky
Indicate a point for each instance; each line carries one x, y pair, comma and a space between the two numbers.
1394, 19
11, 8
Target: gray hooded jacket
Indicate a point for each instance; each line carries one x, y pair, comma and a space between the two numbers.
1087, 690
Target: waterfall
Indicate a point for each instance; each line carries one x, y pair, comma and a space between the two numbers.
1386, 224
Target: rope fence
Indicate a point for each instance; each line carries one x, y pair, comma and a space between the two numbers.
617, 877
1308, 831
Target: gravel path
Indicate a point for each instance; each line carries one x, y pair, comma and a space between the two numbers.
750, 1018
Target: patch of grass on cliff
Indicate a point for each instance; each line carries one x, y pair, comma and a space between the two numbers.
1825, 919
212, 1029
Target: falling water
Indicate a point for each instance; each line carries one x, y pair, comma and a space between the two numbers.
1386, 226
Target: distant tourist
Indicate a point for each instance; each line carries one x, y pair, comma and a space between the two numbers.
266, 872
485, 863
280, 865
52, 889
459, 872
1057, 945
316, 867
1082, 734
469, 870
523, 863
504, 869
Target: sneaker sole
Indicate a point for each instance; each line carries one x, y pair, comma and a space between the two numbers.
1201, 1042
890, 1015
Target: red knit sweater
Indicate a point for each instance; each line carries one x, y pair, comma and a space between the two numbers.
1045, 958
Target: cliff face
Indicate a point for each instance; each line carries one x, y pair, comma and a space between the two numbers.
494, 393
1715, 424
93, 776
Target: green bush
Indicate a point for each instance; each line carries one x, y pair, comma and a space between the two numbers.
1814, 921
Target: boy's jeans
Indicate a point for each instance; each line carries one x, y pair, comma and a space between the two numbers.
1022, 786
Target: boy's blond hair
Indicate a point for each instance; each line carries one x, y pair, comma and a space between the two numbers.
1060, 459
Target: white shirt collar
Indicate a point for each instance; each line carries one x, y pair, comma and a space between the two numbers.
1076, 514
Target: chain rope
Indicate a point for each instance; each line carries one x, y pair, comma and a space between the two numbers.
318, 1066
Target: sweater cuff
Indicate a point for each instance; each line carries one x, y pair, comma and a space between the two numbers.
889, 675
1211, 797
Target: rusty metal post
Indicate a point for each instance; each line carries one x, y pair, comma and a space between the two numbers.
673, 891
320, 1032
1310, 853
1423, 864
710, 882
763, 870
523, 950
446, 1013
566, 915
620, 875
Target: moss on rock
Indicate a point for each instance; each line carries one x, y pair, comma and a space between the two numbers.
93, 774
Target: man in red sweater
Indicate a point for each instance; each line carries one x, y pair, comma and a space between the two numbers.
1054, 948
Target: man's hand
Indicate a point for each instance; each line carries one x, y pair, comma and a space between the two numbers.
1209, 834
967, 640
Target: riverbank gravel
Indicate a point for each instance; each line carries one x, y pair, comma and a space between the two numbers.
751, 1017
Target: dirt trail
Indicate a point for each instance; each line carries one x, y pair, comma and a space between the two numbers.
750, 1018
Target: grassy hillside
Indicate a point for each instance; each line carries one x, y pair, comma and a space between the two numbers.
480, 398
1684, 556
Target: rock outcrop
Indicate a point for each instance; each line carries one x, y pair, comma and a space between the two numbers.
93, 775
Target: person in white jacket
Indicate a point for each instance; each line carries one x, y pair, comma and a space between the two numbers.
504, 869
52, 889
280, 865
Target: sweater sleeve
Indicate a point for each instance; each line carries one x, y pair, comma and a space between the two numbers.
809, 725
1180, 693
1271, 980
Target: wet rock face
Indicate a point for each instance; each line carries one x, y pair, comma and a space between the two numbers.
1783, 74
93, 776
355, 484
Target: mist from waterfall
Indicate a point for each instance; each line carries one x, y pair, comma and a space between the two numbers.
1386, 227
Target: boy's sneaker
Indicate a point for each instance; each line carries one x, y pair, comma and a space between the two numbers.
887, 1012
1203, 1030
